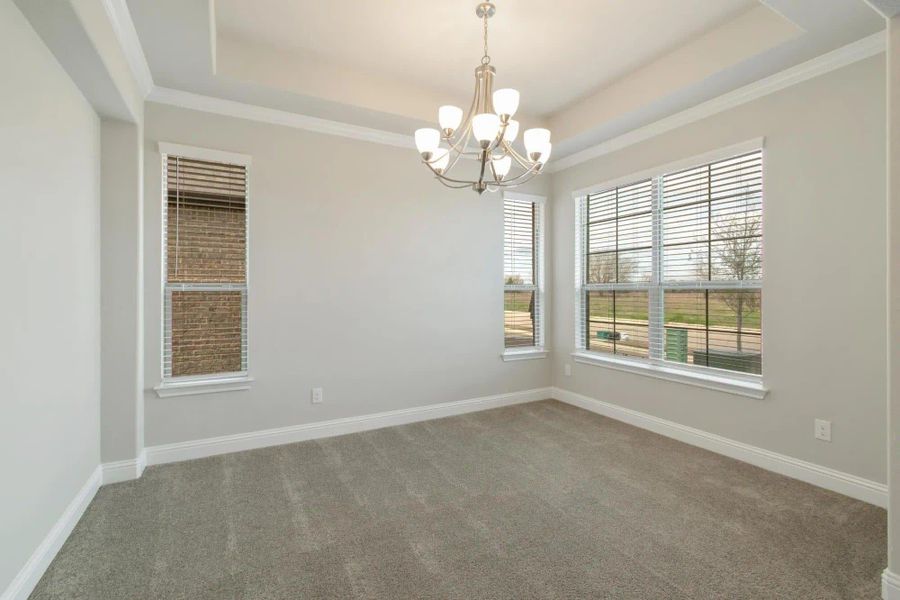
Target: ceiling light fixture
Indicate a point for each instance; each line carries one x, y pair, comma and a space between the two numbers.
486, 134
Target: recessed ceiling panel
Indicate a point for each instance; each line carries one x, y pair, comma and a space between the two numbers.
553, 52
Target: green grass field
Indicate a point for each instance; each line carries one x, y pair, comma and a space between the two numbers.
680, 307
517, 301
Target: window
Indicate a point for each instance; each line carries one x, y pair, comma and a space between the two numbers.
522, 274
204, 266
670, 267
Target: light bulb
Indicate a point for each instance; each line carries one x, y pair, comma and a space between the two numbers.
427, 140
506, 102
536, 138
450, 117
485, 127
501, 166
545, 152
440, 160
512, 130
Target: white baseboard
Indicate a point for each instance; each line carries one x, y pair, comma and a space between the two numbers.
124, 470
890, 585
40, 559
168, 453
830, 479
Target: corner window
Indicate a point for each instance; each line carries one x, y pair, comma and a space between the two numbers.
670, 267
523, 285
204, 268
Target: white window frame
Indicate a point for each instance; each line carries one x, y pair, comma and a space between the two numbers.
217, 382
538, 350
744, 384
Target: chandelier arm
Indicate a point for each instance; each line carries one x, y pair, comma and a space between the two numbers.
444, 183
459, 153
521, 177
523, 162
452, 180
455, 146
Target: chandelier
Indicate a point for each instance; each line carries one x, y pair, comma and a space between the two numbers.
486, 135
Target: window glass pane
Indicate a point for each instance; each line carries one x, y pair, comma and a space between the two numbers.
686, 187
601, 268
617, 322
206, 332
518, 318
635, 232
715, 328
619, 235
635, 198
688, 262
684, 321
736, 259
735, 335
631, 323
206, 218
712, 221
635, 266
600, 331
518, 242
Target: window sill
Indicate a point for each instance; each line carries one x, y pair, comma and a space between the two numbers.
523, 354
190, 387
751, 387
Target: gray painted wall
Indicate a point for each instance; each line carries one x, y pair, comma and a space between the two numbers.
367, 278
122, 264
824, 286
50, 247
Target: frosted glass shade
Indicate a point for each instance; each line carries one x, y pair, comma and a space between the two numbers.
545, 152
502, 165
506, 101
485, 127
440, 159
449, 117
512, 130
427, 139
536, 138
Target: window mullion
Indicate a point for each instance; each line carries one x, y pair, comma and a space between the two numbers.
656, 310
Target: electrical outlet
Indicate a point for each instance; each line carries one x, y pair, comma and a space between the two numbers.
823, 430
568, 370
318, 396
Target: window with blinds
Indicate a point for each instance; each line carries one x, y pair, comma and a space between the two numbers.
670, 267
205, 266
522, 271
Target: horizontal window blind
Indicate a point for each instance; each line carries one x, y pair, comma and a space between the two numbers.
671, 266
205, 295
522, 296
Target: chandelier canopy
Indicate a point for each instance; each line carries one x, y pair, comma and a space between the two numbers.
486, 135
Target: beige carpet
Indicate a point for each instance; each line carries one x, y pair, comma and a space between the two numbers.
540, 500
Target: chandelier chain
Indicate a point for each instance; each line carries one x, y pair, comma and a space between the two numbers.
486, 59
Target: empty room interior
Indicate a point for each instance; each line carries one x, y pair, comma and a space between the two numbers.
450, 299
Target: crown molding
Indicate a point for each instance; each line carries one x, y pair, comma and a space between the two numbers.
252, 112
123, 26
841, 57
886, 8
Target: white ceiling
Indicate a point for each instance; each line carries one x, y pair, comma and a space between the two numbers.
552, 52
589, 69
